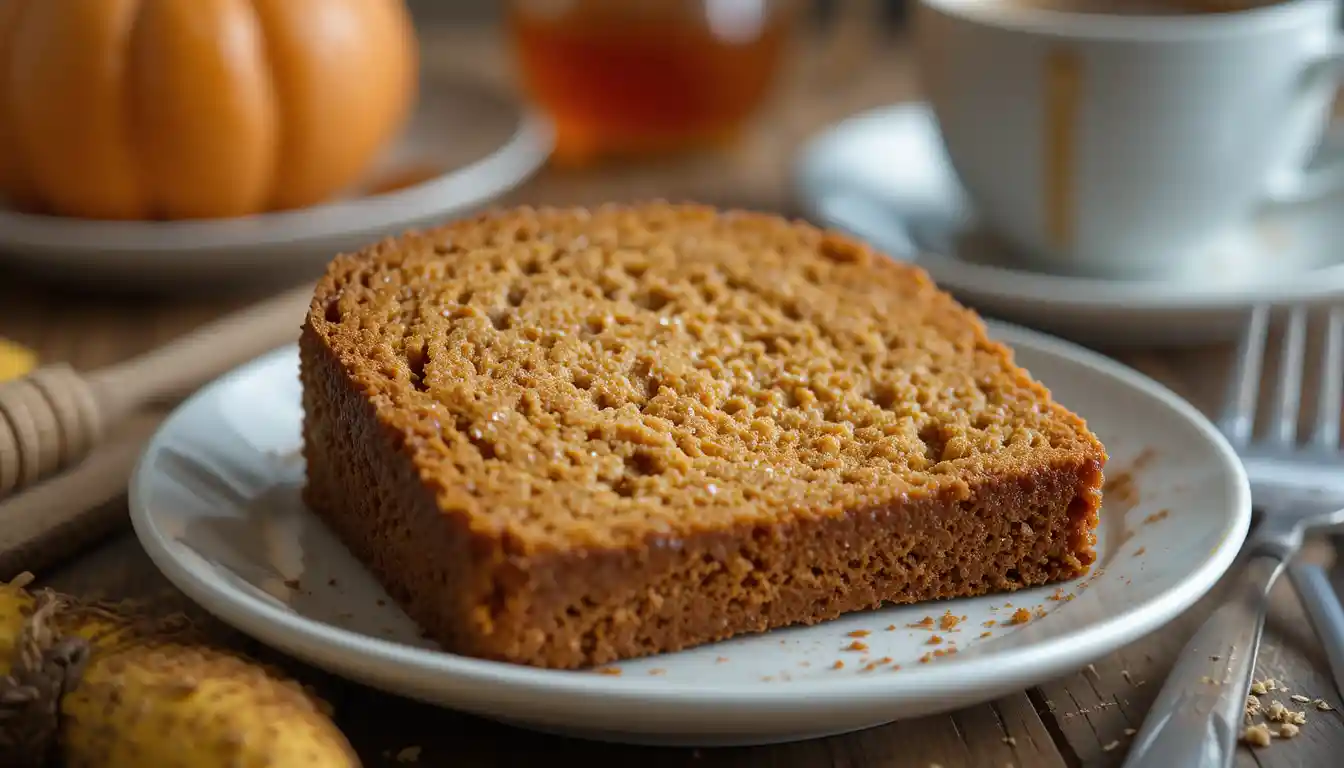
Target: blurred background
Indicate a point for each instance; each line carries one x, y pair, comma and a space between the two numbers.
399, 114
431, 11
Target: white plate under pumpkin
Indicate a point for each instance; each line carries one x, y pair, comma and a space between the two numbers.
215, 501
466, 145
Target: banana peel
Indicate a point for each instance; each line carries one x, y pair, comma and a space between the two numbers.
99, 687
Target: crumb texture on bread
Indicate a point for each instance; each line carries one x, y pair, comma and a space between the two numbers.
640, 428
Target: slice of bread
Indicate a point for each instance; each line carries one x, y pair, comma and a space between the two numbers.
566, 437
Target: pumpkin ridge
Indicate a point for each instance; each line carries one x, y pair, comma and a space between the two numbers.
205, 107
67, 104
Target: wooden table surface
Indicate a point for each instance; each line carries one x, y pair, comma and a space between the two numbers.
1085, 718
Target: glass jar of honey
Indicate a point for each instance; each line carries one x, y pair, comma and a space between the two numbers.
638, 77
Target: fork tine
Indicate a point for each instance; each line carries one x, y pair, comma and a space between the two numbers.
1290, 379
1239, 413
1331, 395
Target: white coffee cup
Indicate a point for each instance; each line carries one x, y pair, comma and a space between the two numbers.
1121, 145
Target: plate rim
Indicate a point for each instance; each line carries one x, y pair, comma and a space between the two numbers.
1050, 291
483, 179
312, 639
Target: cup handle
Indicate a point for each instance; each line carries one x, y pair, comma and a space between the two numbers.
1323, 173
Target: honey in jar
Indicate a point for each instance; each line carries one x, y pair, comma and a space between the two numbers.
635, 77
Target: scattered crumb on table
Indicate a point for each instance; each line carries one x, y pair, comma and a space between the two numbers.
1281, 714
1088, 710
1256, 735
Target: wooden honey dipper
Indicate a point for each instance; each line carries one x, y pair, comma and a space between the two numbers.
55, 415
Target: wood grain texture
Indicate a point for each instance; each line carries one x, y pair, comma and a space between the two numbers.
1067, 722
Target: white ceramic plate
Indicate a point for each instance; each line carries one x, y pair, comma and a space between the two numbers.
481, 142
884, 176
215, 503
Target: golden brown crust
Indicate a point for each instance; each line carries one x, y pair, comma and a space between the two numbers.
567, 437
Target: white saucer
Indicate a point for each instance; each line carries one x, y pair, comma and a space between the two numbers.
215, 503
484, 141
884, 176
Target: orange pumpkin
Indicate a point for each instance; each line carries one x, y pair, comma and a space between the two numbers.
138, 109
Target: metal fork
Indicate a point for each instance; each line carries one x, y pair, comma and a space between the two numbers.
1313, 476
1199, 712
